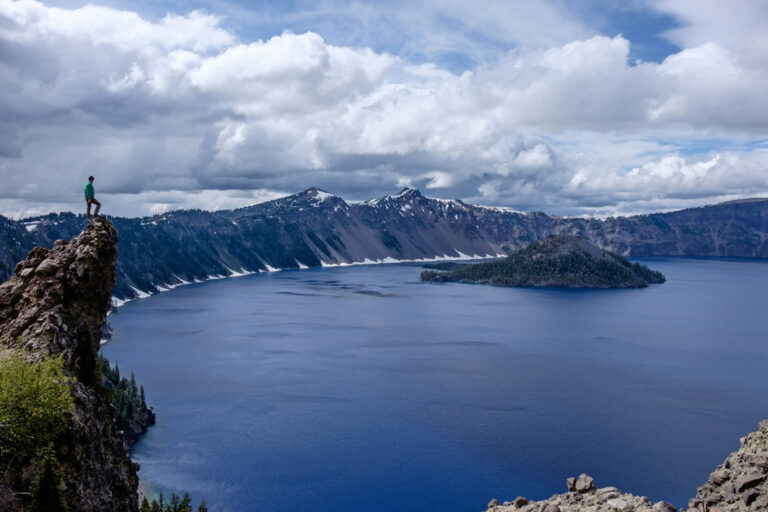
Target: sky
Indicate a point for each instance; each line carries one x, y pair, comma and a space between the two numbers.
589, 108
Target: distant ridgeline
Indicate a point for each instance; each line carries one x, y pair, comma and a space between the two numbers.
313, 228
560, 261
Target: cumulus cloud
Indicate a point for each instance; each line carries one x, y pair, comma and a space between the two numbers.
180, 112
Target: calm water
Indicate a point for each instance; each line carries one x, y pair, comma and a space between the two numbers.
362, 389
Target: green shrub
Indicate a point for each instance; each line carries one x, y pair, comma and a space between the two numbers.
34, 399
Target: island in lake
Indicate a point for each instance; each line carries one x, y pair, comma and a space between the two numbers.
559, 261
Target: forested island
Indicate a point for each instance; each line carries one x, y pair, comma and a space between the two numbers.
558, 261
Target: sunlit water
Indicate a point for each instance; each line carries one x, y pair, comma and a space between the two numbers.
361, 388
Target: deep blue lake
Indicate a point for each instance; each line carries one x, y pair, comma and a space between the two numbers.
360, 388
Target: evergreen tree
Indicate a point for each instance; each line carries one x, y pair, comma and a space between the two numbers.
46, 493
185, 505
174, 502
141, 394
145, 507
134, 391
203, 507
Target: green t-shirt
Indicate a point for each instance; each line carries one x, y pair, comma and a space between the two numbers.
89, 190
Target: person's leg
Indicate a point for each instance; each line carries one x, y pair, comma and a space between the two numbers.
88, 213
98, 207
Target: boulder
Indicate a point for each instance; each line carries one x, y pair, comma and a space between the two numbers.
719, 476
584, 483
47, 267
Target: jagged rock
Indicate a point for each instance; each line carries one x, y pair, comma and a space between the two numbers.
493, 503
584, 483
748, 481
551, 507
607, 493
571, 484
56, 303
750, 496
618, 504
520, 501
663, 506
761, 503
719, 476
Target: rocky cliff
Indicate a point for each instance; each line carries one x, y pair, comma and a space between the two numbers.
56, 303
739, 484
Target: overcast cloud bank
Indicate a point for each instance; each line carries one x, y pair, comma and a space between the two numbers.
180, 112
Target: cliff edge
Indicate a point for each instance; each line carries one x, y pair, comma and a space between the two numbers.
740, 484
55, 304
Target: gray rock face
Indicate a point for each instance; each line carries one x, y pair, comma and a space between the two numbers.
607, 493
748, 481
741, 482
59, 308
718, 477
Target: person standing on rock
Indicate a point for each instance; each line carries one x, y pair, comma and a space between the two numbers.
89, 199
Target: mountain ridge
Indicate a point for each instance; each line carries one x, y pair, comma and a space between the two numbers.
316, 228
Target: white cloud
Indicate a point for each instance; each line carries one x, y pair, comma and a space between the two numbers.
123, 30
180, 106
737, 26
536, 158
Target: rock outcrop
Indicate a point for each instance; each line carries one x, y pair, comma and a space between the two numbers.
739, 484
56, 303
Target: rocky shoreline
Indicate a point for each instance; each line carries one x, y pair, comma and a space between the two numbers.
738, 484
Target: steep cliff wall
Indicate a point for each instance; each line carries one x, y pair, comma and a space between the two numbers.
56, 303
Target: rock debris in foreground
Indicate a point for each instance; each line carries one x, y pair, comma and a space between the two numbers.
739, 484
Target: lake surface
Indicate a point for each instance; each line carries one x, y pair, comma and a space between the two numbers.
360, 388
